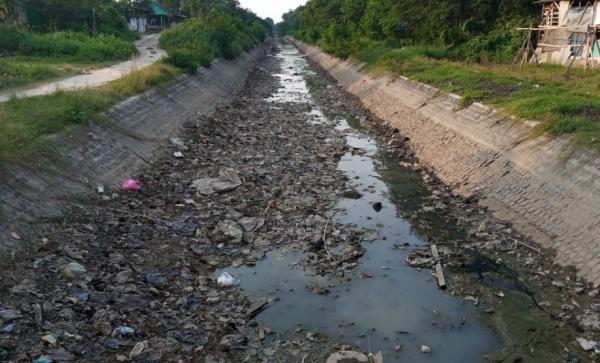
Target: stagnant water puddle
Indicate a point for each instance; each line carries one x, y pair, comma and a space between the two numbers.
399, 308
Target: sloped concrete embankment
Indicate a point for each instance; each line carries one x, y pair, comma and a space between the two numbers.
547, 189
32, 197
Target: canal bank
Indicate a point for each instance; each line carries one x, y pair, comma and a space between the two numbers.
547, 187
294, 190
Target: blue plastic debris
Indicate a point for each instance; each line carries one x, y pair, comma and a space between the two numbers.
37, 263
125, 330
8, 328
43, 359
82, 296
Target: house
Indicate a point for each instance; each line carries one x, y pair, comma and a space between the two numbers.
149, 16
568, 33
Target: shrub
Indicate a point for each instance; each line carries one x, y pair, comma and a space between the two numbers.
197, 42
68, 45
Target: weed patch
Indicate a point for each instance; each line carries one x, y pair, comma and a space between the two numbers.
25, 123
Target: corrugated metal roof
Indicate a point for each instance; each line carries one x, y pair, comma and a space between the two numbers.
158, 9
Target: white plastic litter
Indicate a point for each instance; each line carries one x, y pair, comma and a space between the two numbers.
178, 154
226, 280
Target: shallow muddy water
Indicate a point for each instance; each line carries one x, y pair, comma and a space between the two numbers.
399, 308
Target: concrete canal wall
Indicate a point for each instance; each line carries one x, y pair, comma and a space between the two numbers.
546, 188
32, 196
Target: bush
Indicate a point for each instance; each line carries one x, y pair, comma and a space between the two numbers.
68, 45
197, 42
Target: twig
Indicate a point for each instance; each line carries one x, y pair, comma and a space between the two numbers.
528, 246
140, 215
325, 238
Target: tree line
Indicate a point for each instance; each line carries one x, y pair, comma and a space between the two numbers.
473, 29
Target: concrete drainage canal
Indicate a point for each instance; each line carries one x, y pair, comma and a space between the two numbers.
377, 302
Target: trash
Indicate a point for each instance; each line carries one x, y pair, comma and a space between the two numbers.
420, 258
14, 235
377, 206
8, 314
425, 349
43, 359
178, 143
37, 263
9, 328
178, 154
258, 307
587, 345
52, 339
124, 330
82, 296
184, 229
73, 269
226, 280
227, 180
138, 349
131, 185
100, 188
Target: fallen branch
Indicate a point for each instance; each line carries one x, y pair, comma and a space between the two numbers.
325, 239
439, 272
539, 251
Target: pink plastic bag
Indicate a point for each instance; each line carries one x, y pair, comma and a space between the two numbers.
131, 185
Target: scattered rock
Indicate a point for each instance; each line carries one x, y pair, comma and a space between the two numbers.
74, 269
227, 180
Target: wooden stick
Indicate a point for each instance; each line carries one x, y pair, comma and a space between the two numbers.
439, 273
325, 239
528, 246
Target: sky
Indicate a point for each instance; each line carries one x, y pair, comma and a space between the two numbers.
271, 8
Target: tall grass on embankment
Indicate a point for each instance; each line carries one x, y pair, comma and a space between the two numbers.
26, 123
197, 42
565, 103
469, 53
27, 57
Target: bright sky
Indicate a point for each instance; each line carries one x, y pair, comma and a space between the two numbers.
271, 8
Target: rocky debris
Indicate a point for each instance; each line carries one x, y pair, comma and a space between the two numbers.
426, 349
348, 356
588, 345
227, 180
488, 242
420, 258
129, 277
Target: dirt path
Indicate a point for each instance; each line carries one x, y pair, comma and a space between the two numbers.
149, 53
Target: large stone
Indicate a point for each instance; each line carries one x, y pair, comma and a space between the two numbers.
227, 180
348, 357
232, 230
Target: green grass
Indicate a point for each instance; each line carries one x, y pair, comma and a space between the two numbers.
19, 71
26, 123
27, 57
73, 46
565, 104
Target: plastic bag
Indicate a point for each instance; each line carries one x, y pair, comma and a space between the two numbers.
226, 280
131, 185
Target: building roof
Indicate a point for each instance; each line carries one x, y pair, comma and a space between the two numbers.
158, 9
